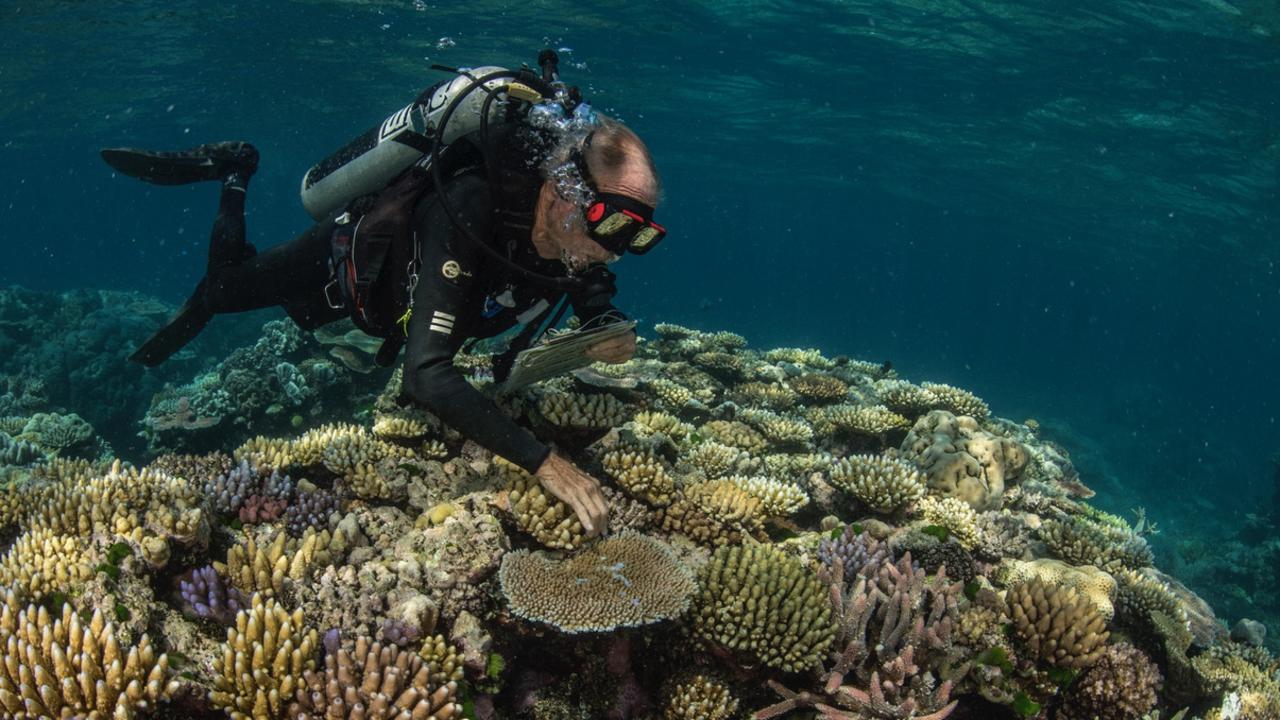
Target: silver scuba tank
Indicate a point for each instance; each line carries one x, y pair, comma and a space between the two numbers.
371, 160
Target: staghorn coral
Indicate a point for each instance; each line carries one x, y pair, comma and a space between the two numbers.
960, 459
1096, 586
375, 682
263, 661
538, 513
206, 595
884, 484
958, 401
757, 601
1227, 671
1081, 542
41, 561
835, 421
715, 512
62, 667
734, 434
819, 388
777, 498
1057, 625
955, 515
700, 698
576, 411
641, 473
627, 580
1124, 683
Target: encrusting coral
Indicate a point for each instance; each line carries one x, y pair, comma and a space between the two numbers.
627, 580
757, 601
55, 665
1095, 585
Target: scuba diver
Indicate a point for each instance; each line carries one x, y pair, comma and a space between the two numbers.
496, 199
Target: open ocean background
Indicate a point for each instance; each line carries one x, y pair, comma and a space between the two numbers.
1068, 208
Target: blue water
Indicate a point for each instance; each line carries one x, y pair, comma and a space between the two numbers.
1068, 208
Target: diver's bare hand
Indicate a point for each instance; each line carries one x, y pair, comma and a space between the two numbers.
581, 491
614, 350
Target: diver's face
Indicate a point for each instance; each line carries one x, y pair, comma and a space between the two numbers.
566, 229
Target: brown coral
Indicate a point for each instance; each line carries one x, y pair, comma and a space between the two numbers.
1057, 625
374, 682
1124, 683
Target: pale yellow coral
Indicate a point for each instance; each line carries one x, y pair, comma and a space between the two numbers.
884, 484
715, 460
700, 698
641, 473
958, 400
374, 682
715, 512
40, 562
407, 424
816, 387
60, 667
538, 513
268, 568
733, 434
652, 423
356, 455
444, 659
670, 393
799, 356
627, 580
956, 516
777, 498
836, 420
1057, 625
263, 661
577, 411
1095, 585
756, 600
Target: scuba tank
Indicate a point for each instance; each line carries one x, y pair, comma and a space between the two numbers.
370, 161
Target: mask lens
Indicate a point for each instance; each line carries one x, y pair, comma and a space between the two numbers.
613, 224
643, 239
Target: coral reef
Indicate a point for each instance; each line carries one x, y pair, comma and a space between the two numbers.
960, 459
883, 484
1057, 625
1124, 683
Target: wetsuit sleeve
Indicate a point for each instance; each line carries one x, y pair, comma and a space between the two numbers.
444, 306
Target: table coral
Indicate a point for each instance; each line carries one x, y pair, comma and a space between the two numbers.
624, 581
819, 388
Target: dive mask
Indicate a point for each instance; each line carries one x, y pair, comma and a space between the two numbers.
621, 224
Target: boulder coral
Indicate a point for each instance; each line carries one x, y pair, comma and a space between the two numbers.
960, 459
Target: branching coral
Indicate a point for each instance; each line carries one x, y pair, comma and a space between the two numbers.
577, 411
374, 682
819, 388
700, 698
652, 423
960, 521
310, 510
206, 595
777, 498
851, 420
671, 394
269, 568
61, 667
263, 661
715, 460
799, 356
641, 473
538, 513
760, 602
357, 457
734, 434
958, 401
1124, 683
42, 561
884, 484
902, 397
1081, 542
715, 512
1057, 625
780, 430
769, 395
623, 581
1095, 585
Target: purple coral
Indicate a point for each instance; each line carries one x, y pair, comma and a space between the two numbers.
310, 510
228, 491
855, 548
400, 633
206, 595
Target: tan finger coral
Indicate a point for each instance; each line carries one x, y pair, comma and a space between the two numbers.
641, 473
263, 661
538, 513
714, 459
884, 484
57, 666
671, 394
40, 562
267, 568
844, 420
700, 698
1057, 625
777, 498
652, 423
405, 424
819, 388
576, 411
757, 601
627, 580
1095, 585
374, 682
770, 395
715, 512
444, 659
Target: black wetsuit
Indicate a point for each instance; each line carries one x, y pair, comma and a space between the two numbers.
462, 293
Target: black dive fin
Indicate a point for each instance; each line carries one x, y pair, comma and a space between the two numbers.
181, 329
205, 162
